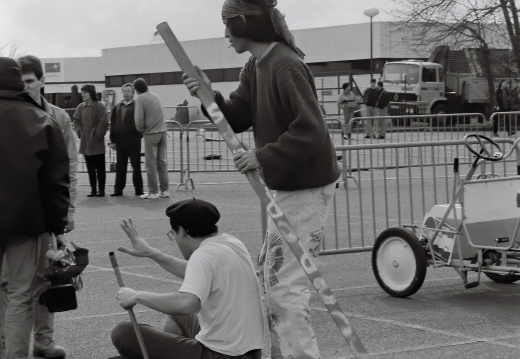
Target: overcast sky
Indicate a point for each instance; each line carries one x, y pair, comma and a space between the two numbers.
72, 28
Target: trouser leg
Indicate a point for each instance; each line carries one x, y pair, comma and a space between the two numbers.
43, 319
159, 344
287, 292
162, 165
20, 255
122, 154
90, 162
135, 161
151, 144
101, 172
369, 125
347, 115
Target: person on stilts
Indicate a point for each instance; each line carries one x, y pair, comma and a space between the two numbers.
294, 153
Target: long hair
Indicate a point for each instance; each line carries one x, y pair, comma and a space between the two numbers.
91, 89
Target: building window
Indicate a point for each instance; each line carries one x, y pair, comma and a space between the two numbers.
114, 81
155, 79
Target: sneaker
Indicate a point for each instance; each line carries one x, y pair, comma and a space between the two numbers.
48, 349
164, 194
150, 196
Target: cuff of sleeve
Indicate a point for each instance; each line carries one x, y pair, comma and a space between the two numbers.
218, 99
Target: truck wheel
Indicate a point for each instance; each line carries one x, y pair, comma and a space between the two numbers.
502, 278
399, 262
439, 109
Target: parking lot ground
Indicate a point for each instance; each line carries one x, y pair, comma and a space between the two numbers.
442, 320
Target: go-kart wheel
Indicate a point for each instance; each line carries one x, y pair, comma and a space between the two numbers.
399, 262
502, 278
483, 149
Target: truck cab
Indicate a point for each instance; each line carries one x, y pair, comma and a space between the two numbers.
418, 82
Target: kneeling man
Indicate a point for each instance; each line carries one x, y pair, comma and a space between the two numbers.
217, 312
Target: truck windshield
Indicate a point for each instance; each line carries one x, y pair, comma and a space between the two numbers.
396, 73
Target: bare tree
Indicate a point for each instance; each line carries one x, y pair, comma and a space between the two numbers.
12, 50
477, 24
510, 17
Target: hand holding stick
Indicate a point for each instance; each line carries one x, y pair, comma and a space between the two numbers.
138, 334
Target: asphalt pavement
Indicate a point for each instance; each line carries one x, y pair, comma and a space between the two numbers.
442, 320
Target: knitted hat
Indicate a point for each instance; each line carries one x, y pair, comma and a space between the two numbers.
10, 75
194, 215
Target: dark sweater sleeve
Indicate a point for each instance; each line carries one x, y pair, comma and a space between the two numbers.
307, 129
54, 180
237, 109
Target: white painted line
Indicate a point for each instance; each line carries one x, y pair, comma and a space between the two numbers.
105, 269
431, 330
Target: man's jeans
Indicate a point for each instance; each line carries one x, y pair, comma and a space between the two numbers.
155, 160
286, 284
20, 256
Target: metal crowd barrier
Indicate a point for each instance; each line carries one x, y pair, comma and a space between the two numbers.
206, 150
506, 122
380, 194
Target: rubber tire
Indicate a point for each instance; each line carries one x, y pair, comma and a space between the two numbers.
440, 109
399, 239
502, 278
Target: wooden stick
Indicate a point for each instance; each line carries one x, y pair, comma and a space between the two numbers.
137, 331
206, 97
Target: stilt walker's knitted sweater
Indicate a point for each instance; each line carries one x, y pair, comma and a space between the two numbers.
277, 97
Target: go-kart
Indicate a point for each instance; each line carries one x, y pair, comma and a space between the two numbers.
477, 231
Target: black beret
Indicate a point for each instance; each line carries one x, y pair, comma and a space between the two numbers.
193, 214
10, 75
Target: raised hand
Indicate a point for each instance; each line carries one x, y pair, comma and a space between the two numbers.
140, 248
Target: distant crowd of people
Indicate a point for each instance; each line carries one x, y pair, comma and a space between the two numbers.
376, 100
130, 121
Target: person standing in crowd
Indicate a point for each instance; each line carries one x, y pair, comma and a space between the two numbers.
276, 96
383, 99
502, 100
149, 120
370, 98
347, 102
217, 312
34, 198
126, 140
44, 345
91, 124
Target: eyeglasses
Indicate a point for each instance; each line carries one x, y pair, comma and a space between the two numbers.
170, 235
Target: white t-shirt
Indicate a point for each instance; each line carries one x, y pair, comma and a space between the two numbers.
221, 274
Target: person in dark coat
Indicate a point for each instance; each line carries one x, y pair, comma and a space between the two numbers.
502, 96
34, 198
126, 140
91, 125
383, 100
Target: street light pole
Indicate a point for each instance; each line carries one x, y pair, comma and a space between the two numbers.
371, 12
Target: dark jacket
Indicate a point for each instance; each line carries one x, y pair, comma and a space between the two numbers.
502, 98
34, 169
124, 132
370, 97
383, 99
91, 124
